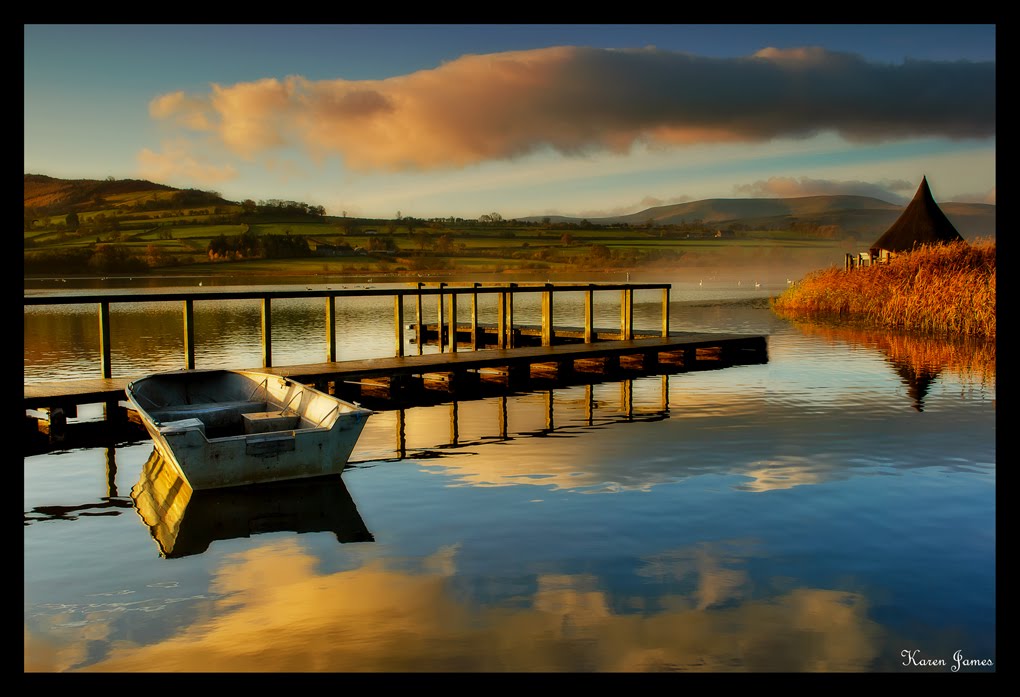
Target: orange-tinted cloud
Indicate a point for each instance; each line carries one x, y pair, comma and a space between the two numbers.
178, 160
578, 100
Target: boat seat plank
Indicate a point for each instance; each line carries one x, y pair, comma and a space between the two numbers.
211, 413
267, 421
169, 427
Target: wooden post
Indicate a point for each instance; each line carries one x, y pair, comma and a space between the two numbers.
113, 413
510, 317
627, 314
331, 328
398, 322
417, 323
665, 312
474, 319
267, 332
589, 314
547, 316
189, 334
453, 322
501, 319
439, 320
104, 340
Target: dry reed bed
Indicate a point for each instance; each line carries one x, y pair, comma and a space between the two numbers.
939, 289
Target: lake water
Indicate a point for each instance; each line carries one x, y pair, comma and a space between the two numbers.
830, 510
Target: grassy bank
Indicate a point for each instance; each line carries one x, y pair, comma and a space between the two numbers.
945, 289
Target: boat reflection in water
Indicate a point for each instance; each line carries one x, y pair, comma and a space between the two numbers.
185, 522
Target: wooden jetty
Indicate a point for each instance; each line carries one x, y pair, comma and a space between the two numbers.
471, 355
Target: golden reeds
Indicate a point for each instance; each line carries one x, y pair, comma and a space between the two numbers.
940, 289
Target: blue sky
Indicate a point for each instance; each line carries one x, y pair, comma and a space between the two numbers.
521, 120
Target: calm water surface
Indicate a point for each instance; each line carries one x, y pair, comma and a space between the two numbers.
826, 511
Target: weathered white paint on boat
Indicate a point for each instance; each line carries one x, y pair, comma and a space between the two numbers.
223, 428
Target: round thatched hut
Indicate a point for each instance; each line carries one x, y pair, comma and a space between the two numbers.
921, 223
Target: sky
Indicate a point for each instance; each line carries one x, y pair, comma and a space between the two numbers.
435, 121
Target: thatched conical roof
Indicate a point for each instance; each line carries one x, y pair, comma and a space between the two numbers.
922, 222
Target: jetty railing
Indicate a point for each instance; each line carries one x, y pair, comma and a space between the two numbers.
446, 294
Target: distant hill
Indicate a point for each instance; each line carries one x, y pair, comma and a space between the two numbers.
51, 196
861, 215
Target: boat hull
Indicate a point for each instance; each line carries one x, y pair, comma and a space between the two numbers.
232, 428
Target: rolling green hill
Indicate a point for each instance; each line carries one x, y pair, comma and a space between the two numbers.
48, 196
134, 226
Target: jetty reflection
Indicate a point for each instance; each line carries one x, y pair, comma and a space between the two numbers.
184, 522
583, 408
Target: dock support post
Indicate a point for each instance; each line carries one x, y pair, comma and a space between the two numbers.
510, 316
267, 333
501, 320
331, 327
189, 334
418, 338
665, 312
453, 322
114, 414
547, 316
627, 314
398, 323
589, 314
439, 320
474, 319
104, 339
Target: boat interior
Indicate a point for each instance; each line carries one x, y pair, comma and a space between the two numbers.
226, 404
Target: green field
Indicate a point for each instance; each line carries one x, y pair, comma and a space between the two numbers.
220, 239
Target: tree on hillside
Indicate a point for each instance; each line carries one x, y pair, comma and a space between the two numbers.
422, 239
380, 244
71, 221
599, 252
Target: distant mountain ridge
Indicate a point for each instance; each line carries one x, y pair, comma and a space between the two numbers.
864, 216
